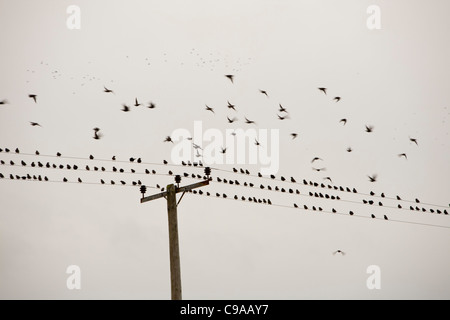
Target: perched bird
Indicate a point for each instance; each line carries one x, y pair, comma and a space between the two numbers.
91, 157
231, 106
413, 140
97, 134
373, 178
294, 135
107, 90
136, 103
324, 90
337, 99
369, 128
293, 180
403, 155
34, 124
373, 216
249, 121
385, 217
125, 108
344, 121
264, 92
33, 96
64, 179
17, 150
230, 76
315, 158
209, 109
79, 180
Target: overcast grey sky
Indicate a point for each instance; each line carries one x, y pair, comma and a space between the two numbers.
175, 54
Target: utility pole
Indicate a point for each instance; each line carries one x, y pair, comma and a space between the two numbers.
172, 204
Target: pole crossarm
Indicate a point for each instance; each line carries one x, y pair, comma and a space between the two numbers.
177, 190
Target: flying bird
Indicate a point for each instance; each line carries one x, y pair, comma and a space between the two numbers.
230, 76
282, 109
403, 155
373, 178
232, 120
151, 105
328, 178
369, 128
33, 96
294, 135
282, 118
97, 135
136, 103
4, 101
337, 99
34, 124
319, 169
413, 140
264, 92
344, 121
223, 150
107, 90
125, 108
168, 139
349, 149
324, 90
249, 121
231, 106
257, 142
339, 251
209, 109
316, 158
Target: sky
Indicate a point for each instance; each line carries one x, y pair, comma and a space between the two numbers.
176, 54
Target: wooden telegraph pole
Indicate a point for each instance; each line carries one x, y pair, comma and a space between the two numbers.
170, 195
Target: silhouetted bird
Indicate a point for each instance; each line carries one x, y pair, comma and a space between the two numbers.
257, 143
101, 181
107, 90
385, 217
33, 96
264, 92
417, 200
231, 106
230, 76
351, 213
151, 105
249, 121
319, 169
136, 103
58, 154
168, 139
328, 178
324, 90
349, 149
382, 195
369, 128
283, 118
403, 155
125, 108
91, 157
337, 99
209, 109
315, 159
34, 124
399, 206
294, 135
413, 140
64, 179
112, 182
373, 178
97, 135
295, 205
333, 210
79, 180
398, 198
114, 158
372, 215
4, 101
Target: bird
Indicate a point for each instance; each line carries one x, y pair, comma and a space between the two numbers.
369, 128
230, 76
136, 103
413, 140
339, 251
283, 118
403, 155
58, 154
102, 181
257, 142
319, 169
209, 109
373, 216
344, 121
385, 217
4, 101
64, 179
17, 150
34, 124
33, 96
264, 92
315, 159
231, 106
328, 178
249, 121
282, 109
23, 163
125, 108
91, 157
293, 180
349, 149
97, 135
79, 180
324, 90
168, 139
151, 105
373, 178
107, 90
113, 158
294, 135
337, 99
232, 120
223, 150
164, 161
